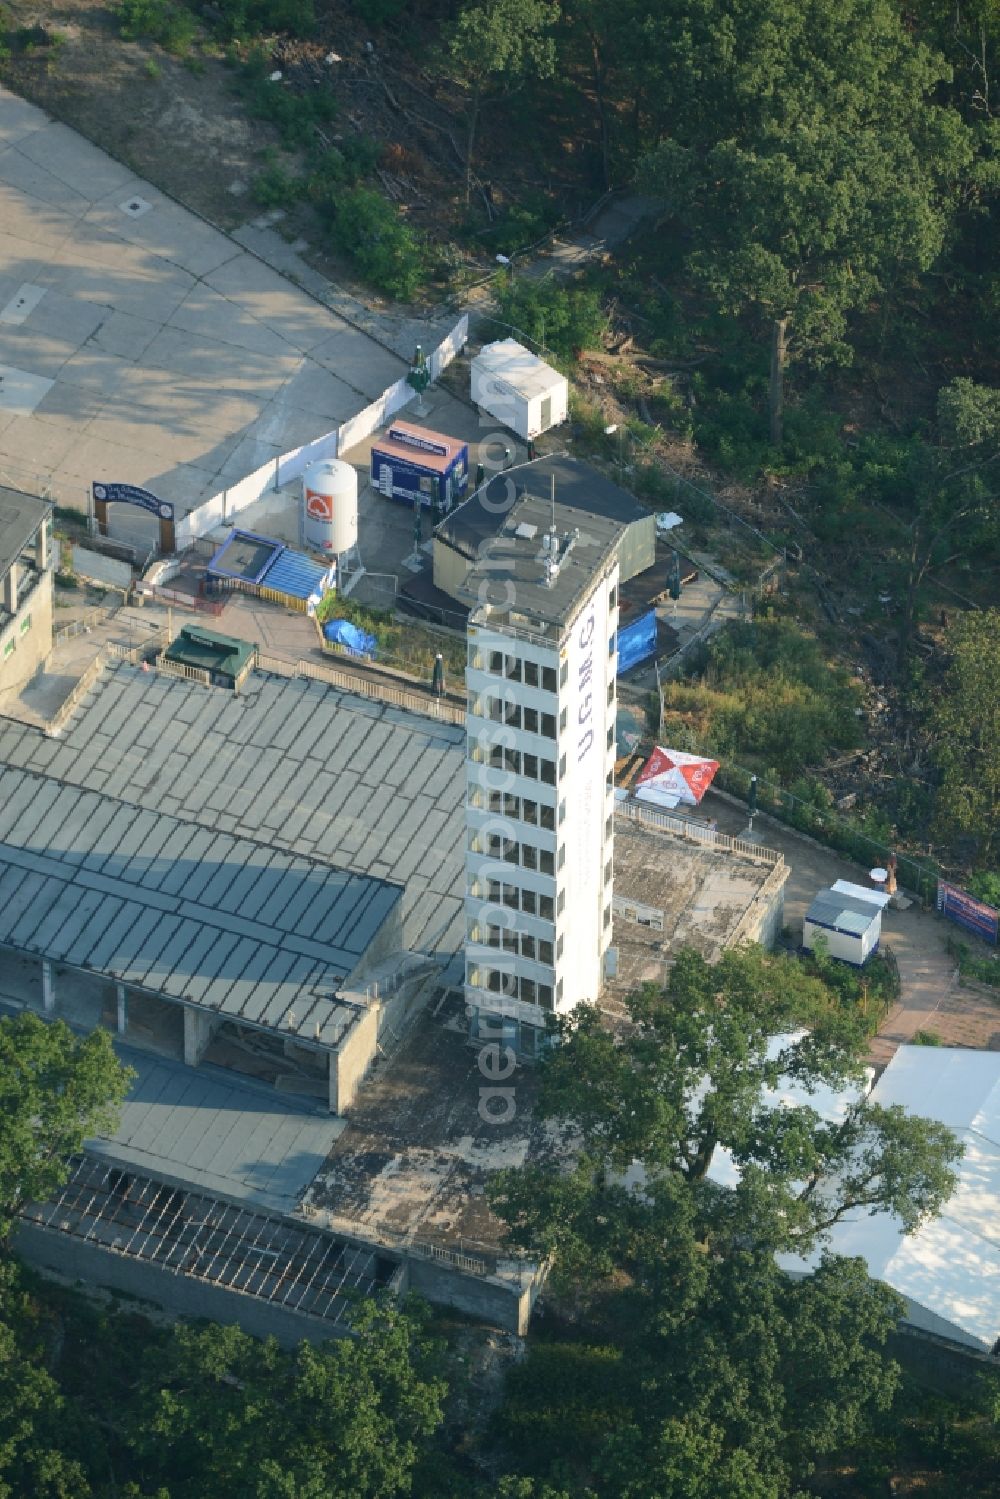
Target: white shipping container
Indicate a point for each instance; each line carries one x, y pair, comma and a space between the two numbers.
519, 389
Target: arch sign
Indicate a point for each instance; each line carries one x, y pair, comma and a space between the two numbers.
131, 494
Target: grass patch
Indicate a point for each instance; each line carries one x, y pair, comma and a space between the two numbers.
982, 970
408, 646
765, 694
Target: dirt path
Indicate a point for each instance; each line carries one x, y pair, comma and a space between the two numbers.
931, 997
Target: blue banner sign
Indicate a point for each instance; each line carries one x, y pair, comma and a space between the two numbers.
131, 494
975, 915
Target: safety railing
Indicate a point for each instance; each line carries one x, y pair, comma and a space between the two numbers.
167, 668
372, 687
81, 626
696, 832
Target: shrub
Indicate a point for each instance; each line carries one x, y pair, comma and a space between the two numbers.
986, 886
385, 250
293, 115
273, 186
249, 18
566, 319
173, 26
769, 695
926, 1038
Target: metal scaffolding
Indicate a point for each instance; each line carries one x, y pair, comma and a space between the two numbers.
187, 1233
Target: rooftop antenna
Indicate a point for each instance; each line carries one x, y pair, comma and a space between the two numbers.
552, 492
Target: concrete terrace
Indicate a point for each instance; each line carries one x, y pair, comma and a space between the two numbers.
140, 344
291, 763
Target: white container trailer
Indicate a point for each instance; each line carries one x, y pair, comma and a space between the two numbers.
519, 389
848, 918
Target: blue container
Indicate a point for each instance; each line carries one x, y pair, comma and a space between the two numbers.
411, 464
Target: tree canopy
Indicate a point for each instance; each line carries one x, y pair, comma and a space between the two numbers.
355, 1414
733, 1374
815, 170
966, 722
56, 1089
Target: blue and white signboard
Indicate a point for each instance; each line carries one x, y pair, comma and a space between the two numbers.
131, 494
975, 915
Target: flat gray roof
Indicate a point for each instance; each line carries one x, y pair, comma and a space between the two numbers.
199, 1126
292, 763
20, 517
194, 915
578, 487
502, 528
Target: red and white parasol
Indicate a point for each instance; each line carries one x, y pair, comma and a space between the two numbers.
670, 777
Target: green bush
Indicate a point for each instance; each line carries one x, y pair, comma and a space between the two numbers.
984, 970
926, 1038
768, 695
409, 647
343, 165
384, 249
293, 115
565, 319
249, 18
986, 886
173, 26
274, 187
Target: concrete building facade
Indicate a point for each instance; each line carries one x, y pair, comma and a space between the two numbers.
25, 586
541, 683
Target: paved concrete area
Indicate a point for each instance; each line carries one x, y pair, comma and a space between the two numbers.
139, 344
670, 894
422, 1139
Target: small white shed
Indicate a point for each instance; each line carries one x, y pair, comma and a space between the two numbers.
519, 389
849, 920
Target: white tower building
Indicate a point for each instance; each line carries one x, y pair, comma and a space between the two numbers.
541, 682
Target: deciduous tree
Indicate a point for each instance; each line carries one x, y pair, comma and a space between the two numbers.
824, 173
56, 1089
495, 46
966, 724
734, 1374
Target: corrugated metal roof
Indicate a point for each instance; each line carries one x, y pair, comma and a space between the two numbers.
289, 762
295, 574
845, 913
200, 916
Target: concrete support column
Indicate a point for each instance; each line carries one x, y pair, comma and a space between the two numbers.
198, 1028
42, 547
48, 987
334, 1083
122, 1008
10, 590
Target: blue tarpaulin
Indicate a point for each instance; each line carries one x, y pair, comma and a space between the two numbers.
342, 632
637, 641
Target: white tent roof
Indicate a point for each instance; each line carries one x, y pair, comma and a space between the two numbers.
831, 1104
949, 1270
